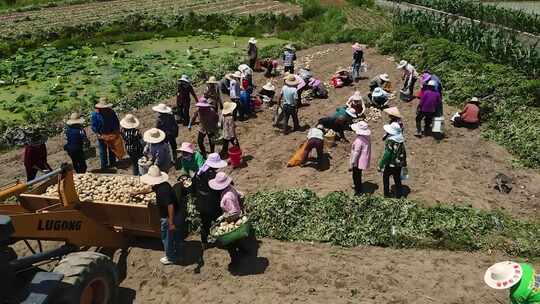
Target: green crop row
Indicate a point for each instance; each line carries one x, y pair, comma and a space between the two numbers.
339, 219
516, 19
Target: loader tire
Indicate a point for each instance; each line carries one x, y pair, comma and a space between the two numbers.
89, 278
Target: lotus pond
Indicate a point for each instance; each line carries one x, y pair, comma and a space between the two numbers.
55, 80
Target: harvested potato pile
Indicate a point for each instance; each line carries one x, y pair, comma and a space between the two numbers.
107, 188
226, 227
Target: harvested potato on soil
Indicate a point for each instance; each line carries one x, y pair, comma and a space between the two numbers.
107, 188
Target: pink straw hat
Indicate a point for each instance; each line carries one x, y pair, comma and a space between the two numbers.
203, 103
503, 275
214, 161
220, 182
187, 147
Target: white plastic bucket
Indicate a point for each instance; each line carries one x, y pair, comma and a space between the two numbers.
438, 127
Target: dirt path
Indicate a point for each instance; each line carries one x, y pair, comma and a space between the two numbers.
458, 169
314, 273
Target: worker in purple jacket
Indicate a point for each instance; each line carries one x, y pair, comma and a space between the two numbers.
430, 100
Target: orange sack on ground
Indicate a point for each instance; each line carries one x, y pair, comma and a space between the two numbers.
115, 143
296, 159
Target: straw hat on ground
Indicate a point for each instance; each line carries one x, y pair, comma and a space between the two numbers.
154, 176
162, 108
103, 103
357, 46
392, 129
384, 77
153, 136
212, 80
402, 64
228, 108
129, 122
291, 81
187, 147
220, 182
393, 111
269, 86
351, 112
252, 40
75, 119
185, 78
214, 161
503, 275
361, 128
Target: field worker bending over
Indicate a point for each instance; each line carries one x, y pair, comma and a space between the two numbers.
340, 121
171, 211
520, 279
357, 103
315, 141
410, 76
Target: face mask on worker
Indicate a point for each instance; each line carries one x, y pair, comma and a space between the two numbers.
187, 156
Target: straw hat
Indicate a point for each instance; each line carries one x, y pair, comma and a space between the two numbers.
236, 74
432, 83
162, 108
393, 111
269, 86
392, 129
154, 136
214, 161
291, 81
351, 112
252, 40
203, 103
244, 68
129, 122
475, 100
212, 79
384, 77
289, 47
357, 46
103, 103
154, 176
187, 147
228, 108
503, 275
378, 92
220, 182
75, 119
402, 64
361, 128
356, 96
185, 78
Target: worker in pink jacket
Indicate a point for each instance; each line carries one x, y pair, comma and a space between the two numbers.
360, 154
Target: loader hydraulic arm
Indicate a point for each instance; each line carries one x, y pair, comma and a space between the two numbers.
20, 187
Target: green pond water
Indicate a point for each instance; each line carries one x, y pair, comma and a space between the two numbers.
49, 79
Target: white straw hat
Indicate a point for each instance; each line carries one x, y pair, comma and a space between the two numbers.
252, 40
361, 128
378, 92
393, 111
228, 108
103, 103
357, 96
503, 275
154, 176
162, 108
185, 78
154, 136
402, 64
269, 86
129, 122
432, 83
212, 79
384, 77
75, 119
392, 129
351, 112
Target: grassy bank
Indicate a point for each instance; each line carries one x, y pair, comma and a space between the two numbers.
339, 219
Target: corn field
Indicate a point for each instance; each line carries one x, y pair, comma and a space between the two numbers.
515, 19
497, 44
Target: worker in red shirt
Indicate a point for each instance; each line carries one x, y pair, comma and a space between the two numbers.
469, 117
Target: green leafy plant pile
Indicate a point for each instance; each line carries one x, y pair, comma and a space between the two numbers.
339, 219
510, 101
496, 44
516, 19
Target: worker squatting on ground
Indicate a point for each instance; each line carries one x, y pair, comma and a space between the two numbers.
360, 154
315, 141
520, 279
76, 140
190, 160
171, 211
469, 117
356, 101
106, 126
